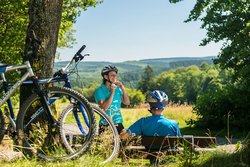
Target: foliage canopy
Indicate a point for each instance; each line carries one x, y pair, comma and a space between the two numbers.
227, 21
14, 23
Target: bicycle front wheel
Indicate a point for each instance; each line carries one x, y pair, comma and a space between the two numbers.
106, 144
39, 136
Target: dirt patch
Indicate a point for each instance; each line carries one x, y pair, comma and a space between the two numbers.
6, 150
6, 144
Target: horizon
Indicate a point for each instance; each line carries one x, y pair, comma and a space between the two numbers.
85, 60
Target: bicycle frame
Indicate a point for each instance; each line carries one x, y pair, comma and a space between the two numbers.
9, 91
67, 84
29, 73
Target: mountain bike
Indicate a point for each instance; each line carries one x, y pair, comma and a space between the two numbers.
37, 126
72, 121
106, 144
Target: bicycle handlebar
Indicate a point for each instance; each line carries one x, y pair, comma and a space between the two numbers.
76, 58
80, 50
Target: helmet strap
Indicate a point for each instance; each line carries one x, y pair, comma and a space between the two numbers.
107, 79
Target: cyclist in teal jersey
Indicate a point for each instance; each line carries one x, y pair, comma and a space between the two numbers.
155, 125
110, 95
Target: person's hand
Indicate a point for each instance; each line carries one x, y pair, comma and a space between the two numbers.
112, 87
124, 135
118, 83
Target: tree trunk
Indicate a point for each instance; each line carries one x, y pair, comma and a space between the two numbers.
44, 20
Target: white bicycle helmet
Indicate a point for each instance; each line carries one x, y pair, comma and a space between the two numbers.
107, 69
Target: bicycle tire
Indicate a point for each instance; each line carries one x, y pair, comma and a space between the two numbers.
99, 144
2, 126
37, 137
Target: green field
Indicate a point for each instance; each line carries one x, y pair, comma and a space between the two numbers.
178, 113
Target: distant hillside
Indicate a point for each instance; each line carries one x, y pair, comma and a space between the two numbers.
90, 70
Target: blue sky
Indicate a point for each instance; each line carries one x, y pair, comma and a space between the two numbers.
121, 30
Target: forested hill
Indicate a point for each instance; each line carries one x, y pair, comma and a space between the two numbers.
131, 71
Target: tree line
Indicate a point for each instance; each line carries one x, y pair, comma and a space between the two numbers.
211, 90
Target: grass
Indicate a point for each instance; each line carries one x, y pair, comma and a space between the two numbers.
178, 113
238, 158
83, 161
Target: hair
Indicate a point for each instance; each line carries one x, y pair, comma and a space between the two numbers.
151, 110
104, 81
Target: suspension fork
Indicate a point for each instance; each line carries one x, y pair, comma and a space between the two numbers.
67, 84
81, 108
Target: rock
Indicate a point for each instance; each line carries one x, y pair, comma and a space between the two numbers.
9, 155
6, 150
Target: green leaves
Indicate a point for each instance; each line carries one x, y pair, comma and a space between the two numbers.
13, 20
14, 23
146, 81
72, 9
226, 21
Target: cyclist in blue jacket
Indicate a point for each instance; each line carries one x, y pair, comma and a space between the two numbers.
110, 95
155, 125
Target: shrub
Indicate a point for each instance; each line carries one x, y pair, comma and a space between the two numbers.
136, 97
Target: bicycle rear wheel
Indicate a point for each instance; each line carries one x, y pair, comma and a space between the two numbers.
106, 144
39, 137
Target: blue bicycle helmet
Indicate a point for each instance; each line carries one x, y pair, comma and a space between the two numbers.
157, 99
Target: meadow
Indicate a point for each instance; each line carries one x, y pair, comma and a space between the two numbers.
180, 113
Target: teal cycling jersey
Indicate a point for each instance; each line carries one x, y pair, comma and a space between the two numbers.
103, 93
155, 125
